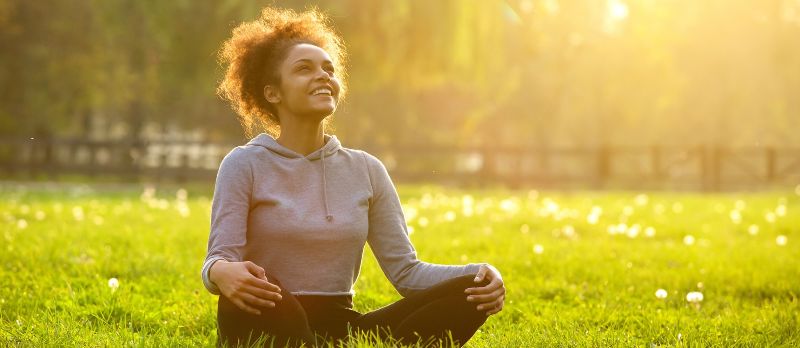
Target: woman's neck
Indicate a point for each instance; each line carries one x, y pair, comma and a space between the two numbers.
301, 136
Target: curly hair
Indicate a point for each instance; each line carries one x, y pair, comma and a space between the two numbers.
252, 55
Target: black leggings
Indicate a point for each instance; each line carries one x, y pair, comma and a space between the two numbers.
317, 320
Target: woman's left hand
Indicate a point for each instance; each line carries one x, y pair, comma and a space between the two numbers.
492, 296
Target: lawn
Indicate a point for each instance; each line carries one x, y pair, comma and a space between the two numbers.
119, 266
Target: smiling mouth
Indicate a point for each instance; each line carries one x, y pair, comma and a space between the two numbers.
323, 91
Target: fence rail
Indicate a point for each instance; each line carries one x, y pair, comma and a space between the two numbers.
620, 167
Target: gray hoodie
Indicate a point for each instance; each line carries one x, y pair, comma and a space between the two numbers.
305, 219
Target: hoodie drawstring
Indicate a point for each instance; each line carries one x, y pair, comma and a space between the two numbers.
328, 215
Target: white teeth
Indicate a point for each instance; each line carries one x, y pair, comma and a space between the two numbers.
323, 90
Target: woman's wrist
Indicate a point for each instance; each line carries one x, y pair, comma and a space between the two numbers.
211, 270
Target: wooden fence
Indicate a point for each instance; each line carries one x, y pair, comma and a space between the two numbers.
611, 167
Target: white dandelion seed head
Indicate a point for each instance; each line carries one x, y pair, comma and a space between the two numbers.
627, 210
22, 224
569, 231
694, 297
770, 217
40, 215
781, 240
524, 229
633, 231
780, 210
538, 249
77, 213
736, 216
661, 294
753, 229
650, 231
641, 199
113, 283
450, 216
181, 194
422, 221
740, 204
688, 239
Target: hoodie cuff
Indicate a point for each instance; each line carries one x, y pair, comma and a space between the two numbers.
210, 286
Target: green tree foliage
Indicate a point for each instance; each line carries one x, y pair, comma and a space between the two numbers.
540, 72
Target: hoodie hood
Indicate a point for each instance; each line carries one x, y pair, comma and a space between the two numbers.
332, 145
265, 140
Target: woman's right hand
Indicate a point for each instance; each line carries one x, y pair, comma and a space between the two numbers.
245, 284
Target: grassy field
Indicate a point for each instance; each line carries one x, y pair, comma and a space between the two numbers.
581, 269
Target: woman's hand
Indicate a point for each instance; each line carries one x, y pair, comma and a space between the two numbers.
245, 284
492, 296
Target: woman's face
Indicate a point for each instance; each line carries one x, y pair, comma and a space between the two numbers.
308, 83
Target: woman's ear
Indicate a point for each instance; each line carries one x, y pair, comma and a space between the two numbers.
271, 94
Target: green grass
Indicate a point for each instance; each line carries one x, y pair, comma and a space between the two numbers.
587, 288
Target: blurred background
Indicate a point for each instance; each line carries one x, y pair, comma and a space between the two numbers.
617, 94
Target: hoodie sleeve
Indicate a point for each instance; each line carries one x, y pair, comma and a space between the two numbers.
388, 238
229, 210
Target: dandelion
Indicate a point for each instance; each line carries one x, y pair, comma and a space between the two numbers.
740, 204
781, 240
181, 195
113, 283
641, 199
24, 209
699, 285
753, 230
736, 216
98, 220
422, 221
22, 224
688, 239
183, 209
410, 212
780, 210
661, 294
627, 210
659, 209
677, 207
450, 215
538, 249
148, 194
569, 231
633, 231
524, 229
77, 213
509, 206
650, 231
694, 297
40, 215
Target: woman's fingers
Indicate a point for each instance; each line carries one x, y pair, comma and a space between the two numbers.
262, 284
487, 297
245, 307
498, 303
489, 288
263, 294
497, 308
253, 300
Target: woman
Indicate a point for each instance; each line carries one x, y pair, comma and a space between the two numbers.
291, 215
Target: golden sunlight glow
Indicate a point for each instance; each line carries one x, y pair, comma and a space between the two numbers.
617, 10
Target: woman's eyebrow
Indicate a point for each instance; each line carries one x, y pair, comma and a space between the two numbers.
310, 61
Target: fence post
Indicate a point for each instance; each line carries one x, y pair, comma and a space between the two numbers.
770, 164
603, 166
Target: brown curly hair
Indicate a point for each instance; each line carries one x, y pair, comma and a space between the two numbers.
252, 55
